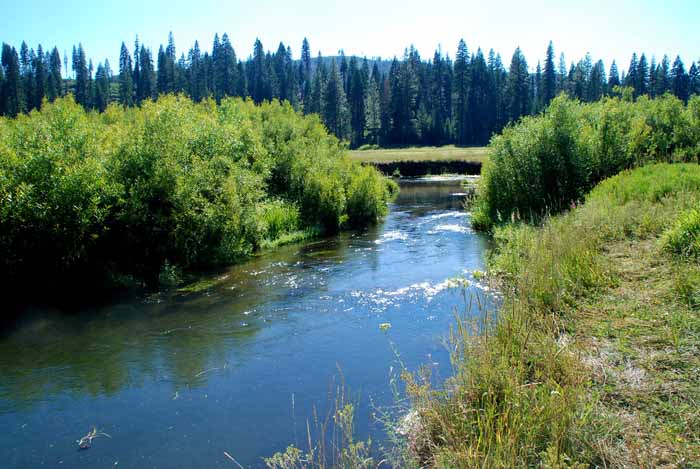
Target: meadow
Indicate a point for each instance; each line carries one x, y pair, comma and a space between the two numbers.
420, 154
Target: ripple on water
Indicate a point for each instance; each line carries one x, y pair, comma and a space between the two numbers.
451, 227
394, 235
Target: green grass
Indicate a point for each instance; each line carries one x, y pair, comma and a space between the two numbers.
419, 154
594, 358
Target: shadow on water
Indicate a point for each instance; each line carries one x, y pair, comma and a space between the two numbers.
178, 378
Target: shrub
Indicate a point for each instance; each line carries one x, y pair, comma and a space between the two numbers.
544, 164
173, 183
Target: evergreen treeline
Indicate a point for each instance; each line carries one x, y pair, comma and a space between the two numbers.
407, 101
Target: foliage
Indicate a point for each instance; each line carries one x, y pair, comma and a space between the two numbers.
524, 391
167, 186
405, 101
546, 163
683, 239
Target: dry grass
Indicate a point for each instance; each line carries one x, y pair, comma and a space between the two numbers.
415, 154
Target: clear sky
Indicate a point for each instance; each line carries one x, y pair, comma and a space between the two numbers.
607, 29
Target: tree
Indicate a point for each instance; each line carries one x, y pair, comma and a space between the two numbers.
632, 79
55, 81
642, 84
146, 88
305, 73
461, 81
613, 77
102, 91
82, 77
317, 89
373, 113
357, 86
126, 84
549, 79
663, 77
679, 80
517, 88
335, 107
11, 91
40, 79
694, 80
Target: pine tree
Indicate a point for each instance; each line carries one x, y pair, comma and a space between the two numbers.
479, 99
632, 78
679, 80
461, 90
357, 85
517, 88
293, 88
663, 77
102, 92
26, 74
280, 71
335, 107
40, 81
305, 73
171, 66
651, 77
562, 76
82, 77
55, 81
147, 84
642, 84
258, 72
11, 92
613, 77
126, 84
136, 76
549, 79
373, 112
319, 84
536, 94
162, 84
693, 80
597, 82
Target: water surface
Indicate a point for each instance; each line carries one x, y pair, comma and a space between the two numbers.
176, 379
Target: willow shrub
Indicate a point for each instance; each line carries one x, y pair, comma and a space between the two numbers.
545, 163
170, 183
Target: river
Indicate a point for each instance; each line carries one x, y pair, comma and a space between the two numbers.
178, 378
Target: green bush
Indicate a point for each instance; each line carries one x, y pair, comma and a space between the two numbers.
172, 183
544, 164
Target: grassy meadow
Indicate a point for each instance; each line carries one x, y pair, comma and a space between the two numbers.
420, 154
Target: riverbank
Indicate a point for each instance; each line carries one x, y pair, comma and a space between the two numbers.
421, 161
594, 357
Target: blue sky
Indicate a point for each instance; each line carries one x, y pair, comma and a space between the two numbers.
608, 30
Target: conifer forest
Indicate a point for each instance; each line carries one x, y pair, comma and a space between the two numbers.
408, 100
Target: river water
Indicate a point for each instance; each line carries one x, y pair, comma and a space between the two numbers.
178, 378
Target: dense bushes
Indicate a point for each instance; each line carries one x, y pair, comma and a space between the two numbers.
545, 163
171, 183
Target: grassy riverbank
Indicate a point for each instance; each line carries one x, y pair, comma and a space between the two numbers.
594, 359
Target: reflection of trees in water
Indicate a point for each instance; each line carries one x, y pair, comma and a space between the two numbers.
430, 195
103, 352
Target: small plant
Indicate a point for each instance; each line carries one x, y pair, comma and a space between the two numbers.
683, 239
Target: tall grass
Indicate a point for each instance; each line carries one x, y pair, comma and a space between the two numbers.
519, 394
